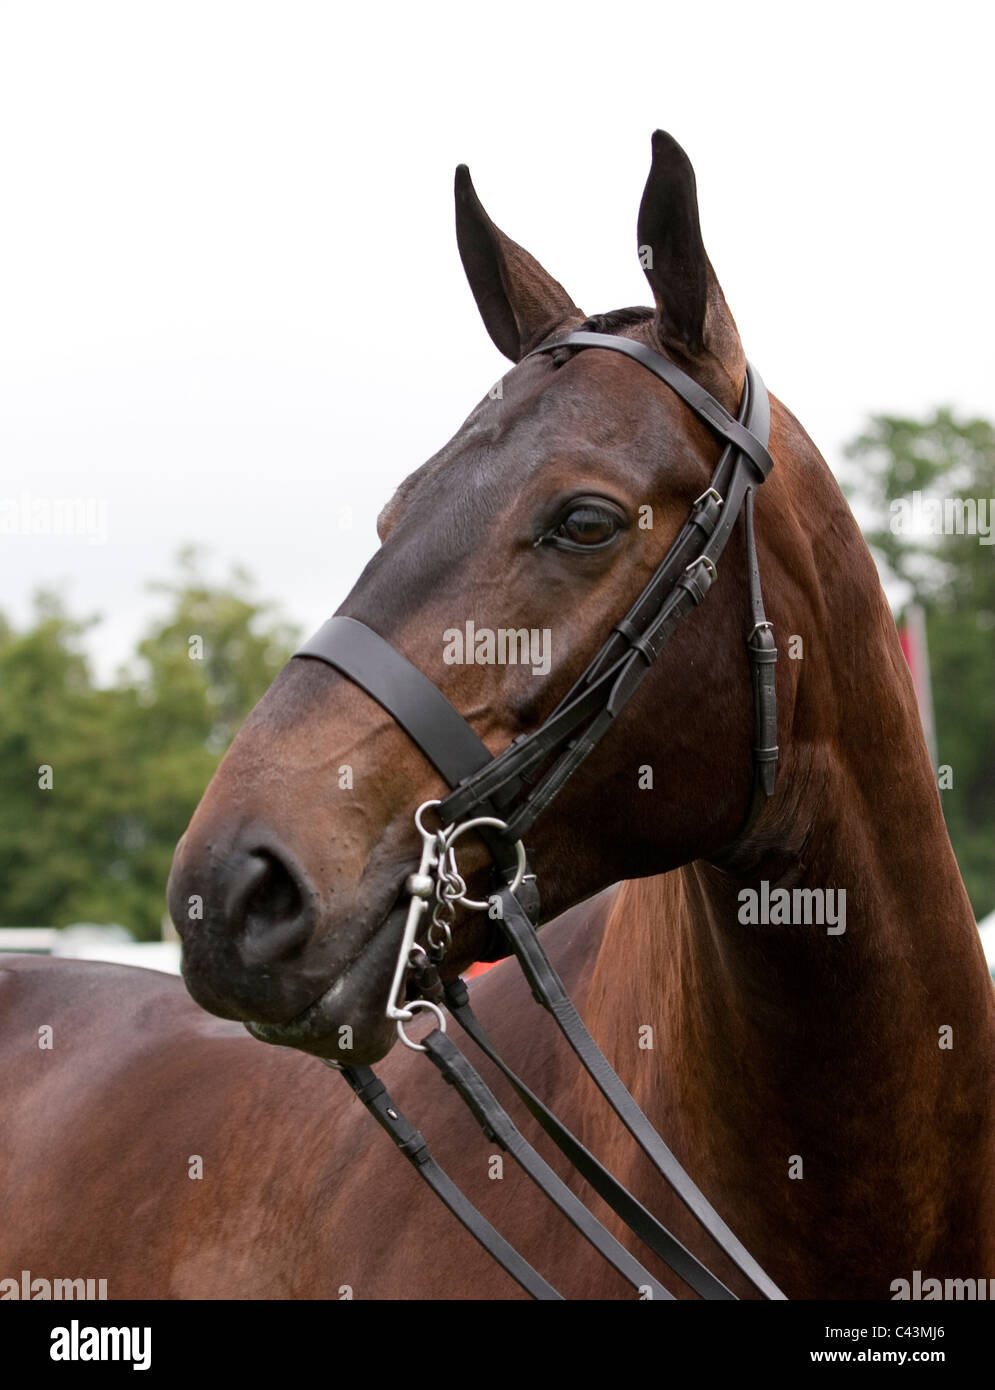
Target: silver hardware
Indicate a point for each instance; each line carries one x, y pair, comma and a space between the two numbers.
757, 628
458, 830
420, 885
703, 560
437, 874
417, 908
709, 492
420, 1004
440, 934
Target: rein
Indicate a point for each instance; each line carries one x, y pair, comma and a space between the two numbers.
501, 797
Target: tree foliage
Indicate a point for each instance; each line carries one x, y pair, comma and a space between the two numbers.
128, 763
953, 577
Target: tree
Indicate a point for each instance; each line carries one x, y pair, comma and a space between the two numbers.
129, 763
950, 464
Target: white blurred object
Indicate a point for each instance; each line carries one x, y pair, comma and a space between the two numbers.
32, 941
93, 941
986, 927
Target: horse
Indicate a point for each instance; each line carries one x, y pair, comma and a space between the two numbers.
825, 1079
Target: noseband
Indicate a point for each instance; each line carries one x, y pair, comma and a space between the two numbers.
501, 797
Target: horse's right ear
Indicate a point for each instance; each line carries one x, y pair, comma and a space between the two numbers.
520, 303
692, 317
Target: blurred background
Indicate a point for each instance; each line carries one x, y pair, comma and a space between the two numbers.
233, 318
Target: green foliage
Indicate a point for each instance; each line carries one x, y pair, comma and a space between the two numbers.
953, 577
129, 763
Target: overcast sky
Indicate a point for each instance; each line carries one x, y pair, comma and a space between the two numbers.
231, 303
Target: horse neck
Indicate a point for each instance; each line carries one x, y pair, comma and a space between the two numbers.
782, 1039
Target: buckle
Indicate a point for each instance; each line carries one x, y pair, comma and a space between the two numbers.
709, 492
709, 565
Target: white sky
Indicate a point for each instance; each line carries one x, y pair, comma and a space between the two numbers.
231, 302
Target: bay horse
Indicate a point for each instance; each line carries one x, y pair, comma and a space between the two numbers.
830, 1090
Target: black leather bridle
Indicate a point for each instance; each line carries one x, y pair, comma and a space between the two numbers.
511, 790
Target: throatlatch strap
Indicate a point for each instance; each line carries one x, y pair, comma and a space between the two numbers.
763, 659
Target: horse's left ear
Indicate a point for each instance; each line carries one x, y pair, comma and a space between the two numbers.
692, 317
519, 302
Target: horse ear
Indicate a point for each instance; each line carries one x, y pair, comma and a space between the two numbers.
520, 303
692, 318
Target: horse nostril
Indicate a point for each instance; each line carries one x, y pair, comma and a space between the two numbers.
272, 894
268, 912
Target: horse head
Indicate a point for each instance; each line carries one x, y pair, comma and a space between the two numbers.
544, 516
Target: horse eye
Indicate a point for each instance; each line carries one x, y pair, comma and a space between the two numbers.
587, 525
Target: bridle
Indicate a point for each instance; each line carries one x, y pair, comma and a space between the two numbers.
501, 797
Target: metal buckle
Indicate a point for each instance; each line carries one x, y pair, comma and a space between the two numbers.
756, 628
709, 492
703, 560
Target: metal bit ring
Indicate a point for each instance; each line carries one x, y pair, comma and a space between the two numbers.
457, 830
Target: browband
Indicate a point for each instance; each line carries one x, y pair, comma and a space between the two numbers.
752, 442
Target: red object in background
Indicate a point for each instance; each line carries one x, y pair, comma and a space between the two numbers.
479, 967
912, 635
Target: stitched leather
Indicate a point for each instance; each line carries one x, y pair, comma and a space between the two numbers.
497, 1125
548, 990
640, 1221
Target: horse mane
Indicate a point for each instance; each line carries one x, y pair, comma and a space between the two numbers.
616, 320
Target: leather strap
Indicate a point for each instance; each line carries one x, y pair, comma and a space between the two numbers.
548, 990
498, 1126
680, 582
411, 1142
420, 707
704, 405
763, 658
642, 1222
483, 785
